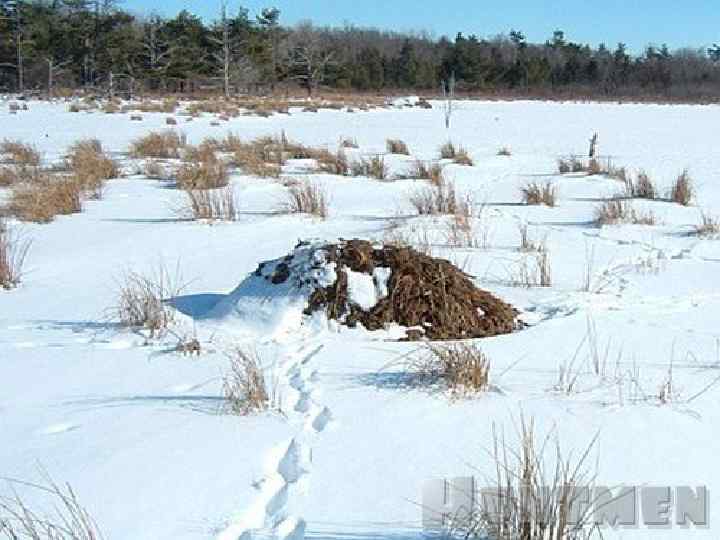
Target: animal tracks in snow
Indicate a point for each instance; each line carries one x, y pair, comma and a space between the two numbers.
277, 510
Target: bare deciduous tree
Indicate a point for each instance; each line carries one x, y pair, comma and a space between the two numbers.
308, 57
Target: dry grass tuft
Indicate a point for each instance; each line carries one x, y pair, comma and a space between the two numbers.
595, 168
641, 188
396, 146
212, 204
330, 163
440, 199
708, 226
462, 367
165, 145
617, 211
463, 158
210, 173
617, 173
142, 300
683, 190
13, 251
504, 151
534, 495
422, 172
46, 197
375, 167
307, 198
535, 193
245, 387
91, 166
447, 151
69, 520
19, 153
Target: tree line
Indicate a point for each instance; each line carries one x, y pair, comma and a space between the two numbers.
46, 45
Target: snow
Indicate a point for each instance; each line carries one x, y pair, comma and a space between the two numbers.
140, 431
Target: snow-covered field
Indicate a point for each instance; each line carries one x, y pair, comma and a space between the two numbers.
139, 431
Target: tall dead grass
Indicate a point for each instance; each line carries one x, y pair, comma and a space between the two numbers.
708, 226
19, 153
421, 171
462, 367
535, 193
306, 198
641, 187
448, 151
374, 167
683, 189
162, 145
246, 388
396, 146
618, 211
69, 519
13, 252
537, 491
212, 204
142, 300
46, 197
440, 199
210, 173
91, 166
462, 157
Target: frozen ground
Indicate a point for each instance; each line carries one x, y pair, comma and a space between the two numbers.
139, 431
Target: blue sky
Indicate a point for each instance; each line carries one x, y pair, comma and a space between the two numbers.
636, 22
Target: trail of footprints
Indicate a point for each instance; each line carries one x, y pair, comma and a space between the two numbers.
276, 513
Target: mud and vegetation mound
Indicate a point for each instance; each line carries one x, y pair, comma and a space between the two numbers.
378, 285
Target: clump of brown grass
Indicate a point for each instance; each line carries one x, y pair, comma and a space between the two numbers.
422, 171
19, 153
13, 251
641, 188
463, 158
332, 163
212, 204
91, 166
165, 145
571, 165
13, 175
307, 198
210, 173
708, 226
375, 167
69, 520
534, 495
46, 197
142, 300
396, 146
462, 367
245, 387
535, 193
205, 151
617, 211
440, 199
595, 168
447, 151
683, 189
